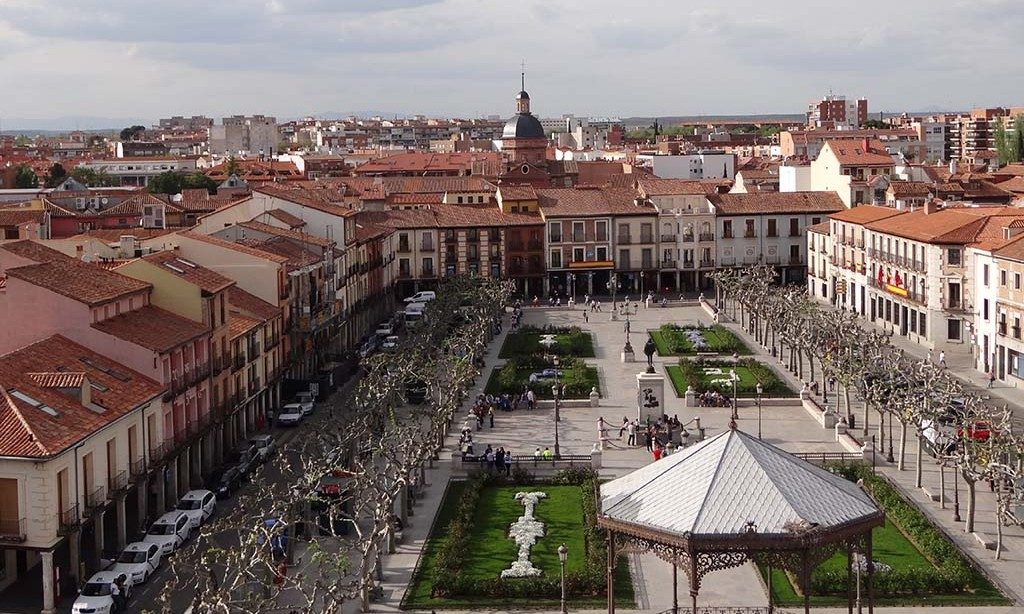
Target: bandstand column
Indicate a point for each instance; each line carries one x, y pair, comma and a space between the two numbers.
611, 572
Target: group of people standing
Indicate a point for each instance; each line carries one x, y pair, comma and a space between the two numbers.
660, 438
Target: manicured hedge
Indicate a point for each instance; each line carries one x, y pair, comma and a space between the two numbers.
571, 341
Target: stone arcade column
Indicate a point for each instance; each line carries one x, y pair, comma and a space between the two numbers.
49, 593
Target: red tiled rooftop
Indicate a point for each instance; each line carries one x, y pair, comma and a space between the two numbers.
240, 324
590, 202
776, 202
241, 301
153, 328
864, 214
852, 152
34, 251
303, 237
82, 282
293, 221
206, 279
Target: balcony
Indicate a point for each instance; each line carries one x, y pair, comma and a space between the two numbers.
687, 238
1002, 328
726, 235
772, 235
428, 272
254, 386
707, 264
404, 274
68, 520
13, 531
710, 236
624, 240
749, 234
120, 483
96, 498
137, 468
688, 264
253, 350
158, 452
795, 260
554, 238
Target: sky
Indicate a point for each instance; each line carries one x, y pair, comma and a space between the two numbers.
290, 58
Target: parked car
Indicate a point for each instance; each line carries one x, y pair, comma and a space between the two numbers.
415, 392
169, 531
265, 446
390, 344
227, 482
198, 505
306, 400
369, 347
385, 329
422, 296
290, 415
247, 461
95, 594
138, 561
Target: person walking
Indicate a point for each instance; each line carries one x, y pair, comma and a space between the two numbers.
648, 439
586, 317
632, 433
942, 359
490, 414
531, 399
508, 463
991, 377
625, 425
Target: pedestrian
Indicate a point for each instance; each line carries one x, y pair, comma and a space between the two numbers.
632, 433
531, 399
586, 317
929, 355
648, 439
490, 414
586, 299
657, 453
942, 358
489, 457
546, 454
536, 456
508, 463
117, 594
625, 425
991, 377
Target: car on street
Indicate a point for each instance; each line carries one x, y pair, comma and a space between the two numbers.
385, 329
198, 505
306, 400
227, 483
416, 392
138, 561
422, 296
95, 597
290, 415
169, 531
369, 347
248, 460
265, 446
390, 343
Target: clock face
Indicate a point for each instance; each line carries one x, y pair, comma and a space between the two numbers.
525, 169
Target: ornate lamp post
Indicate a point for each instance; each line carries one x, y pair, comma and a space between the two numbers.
558, 417
760, 389
735, 378
563, 554
613, 287
572, 286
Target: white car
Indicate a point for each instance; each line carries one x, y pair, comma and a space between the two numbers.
265, 446
390, 343
421, 297
306, 400
138, 561
385, 329
290, 415
169, 531
95, 596
198, 505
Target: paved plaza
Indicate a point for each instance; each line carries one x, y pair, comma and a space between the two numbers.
788, 427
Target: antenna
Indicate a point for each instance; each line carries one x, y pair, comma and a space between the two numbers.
522, 75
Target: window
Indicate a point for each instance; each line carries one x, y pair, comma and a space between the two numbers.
953, 329
984, 275
602, 254
428, 240
922, 318
556, 259
646, 258
578, 231
953, 256
555, 232
646, 233
815, 220
428, 267
577, 254
749, 230
1002, 278
984, 309
602, 231
1016, 281
772, 228
623, 258
954, 296
623, 233
794, 227
458, 200
727, 229
794, 254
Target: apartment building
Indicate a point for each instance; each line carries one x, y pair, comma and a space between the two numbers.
686, 232
768, 228
1002, 297
245, 135
138, 172
837, 111
80, 432
850, 167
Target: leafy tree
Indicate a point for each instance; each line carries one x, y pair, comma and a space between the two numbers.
232, 167
1002, 143
132, 133
22, 141
768, 131
876, 124
55, 175
25, 177
93, 178
96, 141
165, 183
199, 180
1015, 140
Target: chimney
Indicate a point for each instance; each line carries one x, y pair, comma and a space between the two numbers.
864, 143
930, 206
128, 246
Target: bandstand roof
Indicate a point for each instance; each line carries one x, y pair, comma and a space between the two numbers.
717, 487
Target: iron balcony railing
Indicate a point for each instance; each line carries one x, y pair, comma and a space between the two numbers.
672, 238
68, 520
13, 530
138, 468
96, 498
707, 236
120, 482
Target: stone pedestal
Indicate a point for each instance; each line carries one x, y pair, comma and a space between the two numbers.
595, 398
595, 458
628, 356
690, 397
650, 396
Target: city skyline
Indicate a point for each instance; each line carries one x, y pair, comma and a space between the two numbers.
463, 58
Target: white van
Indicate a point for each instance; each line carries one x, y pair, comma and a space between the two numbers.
413, 314
421, 297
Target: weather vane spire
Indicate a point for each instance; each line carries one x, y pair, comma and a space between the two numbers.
522, 75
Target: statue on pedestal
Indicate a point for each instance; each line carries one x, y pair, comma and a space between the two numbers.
649, 349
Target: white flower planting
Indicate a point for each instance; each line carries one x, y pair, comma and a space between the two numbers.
525, 532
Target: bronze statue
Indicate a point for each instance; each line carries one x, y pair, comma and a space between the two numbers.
649, 349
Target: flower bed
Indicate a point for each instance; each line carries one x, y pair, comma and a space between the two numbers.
514, 376
704, 375
925, 567
569, 341
675, 340
465, 556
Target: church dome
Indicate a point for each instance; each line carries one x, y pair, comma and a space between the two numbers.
522, 95
523, 126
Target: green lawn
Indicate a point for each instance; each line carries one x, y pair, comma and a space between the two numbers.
689, 373
671, 340
569, 342
891, 547
492, 550
511, 378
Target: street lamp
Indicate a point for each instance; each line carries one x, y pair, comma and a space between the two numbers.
735, 378
572, 286
563, 554
760, 389
613, 287
558, 417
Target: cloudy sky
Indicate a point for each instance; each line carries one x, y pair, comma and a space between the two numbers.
142, 58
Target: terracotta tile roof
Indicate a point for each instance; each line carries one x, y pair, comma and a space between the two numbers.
239, 324
34, 251
135, 204
590, 202
517, 192
240, 247
293, 221
294, 255
776, 202
822, 228
303, 237
153, 328
955, 225
56, 210
80, 281
313, 199
413, 218
411, 185
653, 186
1014, 185
864, 214
599, 173
1013, 249
37, 371
432, 198
367, 231
16, 217
113, 235
206, 279
423, 162
910, 188
852, 152
456, 216
1016, 170
253, 306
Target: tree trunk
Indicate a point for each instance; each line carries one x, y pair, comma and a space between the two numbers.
969, 526
810, 364
846, 402
999, 521
903, 444
864, 427
918, 469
